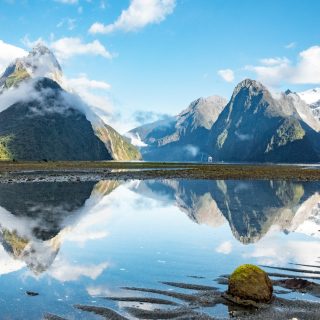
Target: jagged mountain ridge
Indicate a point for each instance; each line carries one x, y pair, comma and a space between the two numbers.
256, 126
183, 136
41, 120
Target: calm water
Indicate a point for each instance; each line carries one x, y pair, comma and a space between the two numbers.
75, 243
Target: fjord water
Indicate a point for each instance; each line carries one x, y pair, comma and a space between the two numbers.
76, 243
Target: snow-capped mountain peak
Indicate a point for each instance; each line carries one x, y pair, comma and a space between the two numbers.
40, 62
310, 96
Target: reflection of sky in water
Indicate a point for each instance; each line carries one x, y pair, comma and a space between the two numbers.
129, 238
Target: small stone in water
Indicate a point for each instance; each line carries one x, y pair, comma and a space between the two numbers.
32, 293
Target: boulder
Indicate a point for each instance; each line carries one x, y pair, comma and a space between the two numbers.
248, 282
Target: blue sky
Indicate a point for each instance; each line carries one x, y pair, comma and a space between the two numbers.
158, 55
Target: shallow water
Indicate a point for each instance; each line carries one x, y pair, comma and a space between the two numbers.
76, 243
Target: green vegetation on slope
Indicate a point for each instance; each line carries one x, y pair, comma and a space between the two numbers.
117, 145
5, 152
16, 77
289, 131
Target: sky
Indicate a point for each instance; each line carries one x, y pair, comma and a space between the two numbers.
141, 60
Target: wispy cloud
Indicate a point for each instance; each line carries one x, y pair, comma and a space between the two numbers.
226, 74
67, 1
93, 92
276, 71
139, 14
290, 45
66, 48
70, 23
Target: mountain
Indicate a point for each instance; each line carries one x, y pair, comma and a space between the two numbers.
257, 126
40, 119
181, 137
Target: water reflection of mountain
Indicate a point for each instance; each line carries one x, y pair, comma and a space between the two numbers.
35, 216
250, 207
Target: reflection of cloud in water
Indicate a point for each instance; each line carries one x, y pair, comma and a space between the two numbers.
63, 270
7, 264
273, 251
225, 247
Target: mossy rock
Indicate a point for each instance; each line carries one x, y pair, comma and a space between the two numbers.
248, 282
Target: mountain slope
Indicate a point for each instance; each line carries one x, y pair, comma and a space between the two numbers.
31, 131
255, 126
40, 120
182, 137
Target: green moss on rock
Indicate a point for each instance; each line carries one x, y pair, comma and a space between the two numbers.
249, 282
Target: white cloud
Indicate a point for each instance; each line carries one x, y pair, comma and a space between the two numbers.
290, 45
274, 61
66, 48
226, 74
139, 14
225, 247
67, 1
70, 23
83, 83
93, 92
9, 53
276, 71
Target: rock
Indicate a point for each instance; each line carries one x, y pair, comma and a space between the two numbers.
32, 293
249, 282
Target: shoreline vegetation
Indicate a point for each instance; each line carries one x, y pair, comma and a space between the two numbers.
21, 171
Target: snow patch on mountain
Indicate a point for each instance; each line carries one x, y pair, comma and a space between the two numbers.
310, 96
